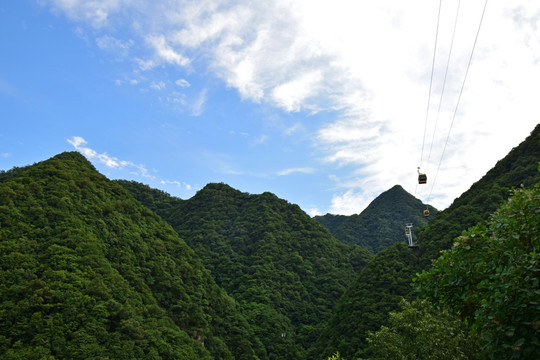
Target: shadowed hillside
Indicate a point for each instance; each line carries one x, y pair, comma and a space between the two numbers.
365, 305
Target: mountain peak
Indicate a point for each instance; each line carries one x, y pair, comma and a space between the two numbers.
381, 223
70, 155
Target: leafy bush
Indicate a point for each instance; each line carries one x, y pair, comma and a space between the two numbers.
421, 331
491, 278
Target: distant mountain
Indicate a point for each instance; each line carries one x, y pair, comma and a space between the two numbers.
365, 305
519, 168
284, 268
382, 223
87, 272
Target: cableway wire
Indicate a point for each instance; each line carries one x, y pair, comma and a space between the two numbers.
444, 84
459, 99
430, 87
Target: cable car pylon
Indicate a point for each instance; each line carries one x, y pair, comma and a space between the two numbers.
408, 235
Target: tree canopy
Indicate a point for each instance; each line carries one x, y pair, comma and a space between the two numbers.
87, 272
491, 278
284, 268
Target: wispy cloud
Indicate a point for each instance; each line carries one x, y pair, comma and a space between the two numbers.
197, 107
114, 45
301, 170
183, 83
179, 184
95, 12
160, 85
109, 161
165, 52
367, 64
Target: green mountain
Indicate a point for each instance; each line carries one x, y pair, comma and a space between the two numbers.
382, 223
365, 305
518, 168
87, 272
284, 268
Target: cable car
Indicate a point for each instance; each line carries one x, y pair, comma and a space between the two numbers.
422, 178
426, 213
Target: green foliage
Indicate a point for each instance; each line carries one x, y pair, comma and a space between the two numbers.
285, 269
491, 278
366, 304
330, 221
381, 224
86, 272
336, 356
420, 331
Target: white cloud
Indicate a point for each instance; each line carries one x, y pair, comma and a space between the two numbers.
96, 12
313, 211
302, 170
261, 139
165, 52
347, 203
114, 45
197, 108
160, 85
183, 83
291, 95
293, 129
109, 161
366, 64
171, 182
145, 65
177, 183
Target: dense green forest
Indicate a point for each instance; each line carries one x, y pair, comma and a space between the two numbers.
475, 206
490, 278
93, 269
284, 268
87, 272
381, 223
365, 305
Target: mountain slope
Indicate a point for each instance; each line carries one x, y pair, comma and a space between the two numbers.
518, 168
366, 303
285, 269
386, 278
381, 224
88, 272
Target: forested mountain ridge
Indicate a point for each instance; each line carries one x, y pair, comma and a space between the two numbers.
518, 168
88, 272
381, 224
284, 268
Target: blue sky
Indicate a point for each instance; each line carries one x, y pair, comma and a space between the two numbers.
324, 104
